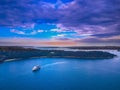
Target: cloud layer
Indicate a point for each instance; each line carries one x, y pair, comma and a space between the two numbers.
98, 19
70, 14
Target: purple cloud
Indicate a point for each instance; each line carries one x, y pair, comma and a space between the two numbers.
100, 41
81, 16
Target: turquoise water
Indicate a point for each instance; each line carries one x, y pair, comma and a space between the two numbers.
61, 74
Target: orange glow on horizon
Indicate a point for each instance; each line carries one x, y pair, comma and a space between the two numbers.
60, 43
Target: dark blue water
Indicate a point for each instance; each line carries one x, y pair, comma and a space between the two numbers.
61, 74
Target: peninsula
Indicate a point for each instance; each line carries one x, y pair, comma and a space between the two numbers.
15, 52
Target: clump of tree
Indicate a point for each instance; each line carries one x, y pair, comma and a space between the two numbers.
21, 53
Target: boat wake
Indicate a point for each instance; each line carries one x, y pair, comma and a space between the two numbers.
56, 63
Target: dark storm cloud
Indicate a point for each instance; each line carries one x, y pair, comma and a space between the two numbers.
76, 15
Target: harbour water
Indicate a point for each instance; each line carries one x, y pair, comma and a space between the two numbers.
61, 74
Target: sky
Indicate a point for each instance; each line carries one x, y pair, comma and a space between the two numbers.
59, 22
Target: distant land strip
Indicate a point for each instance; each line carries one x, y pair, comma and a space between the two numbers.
14, 52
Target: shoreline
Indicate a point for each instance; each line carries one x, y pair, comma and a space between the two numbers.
18, 53
69, 57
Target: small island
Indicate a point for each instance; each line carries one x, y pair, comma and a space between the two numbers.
14, 52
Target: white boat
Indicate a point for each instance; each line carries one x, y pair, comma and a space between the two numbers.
36, 68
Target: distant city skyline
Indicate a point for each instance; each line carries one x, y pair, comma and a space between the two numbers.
59, 23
